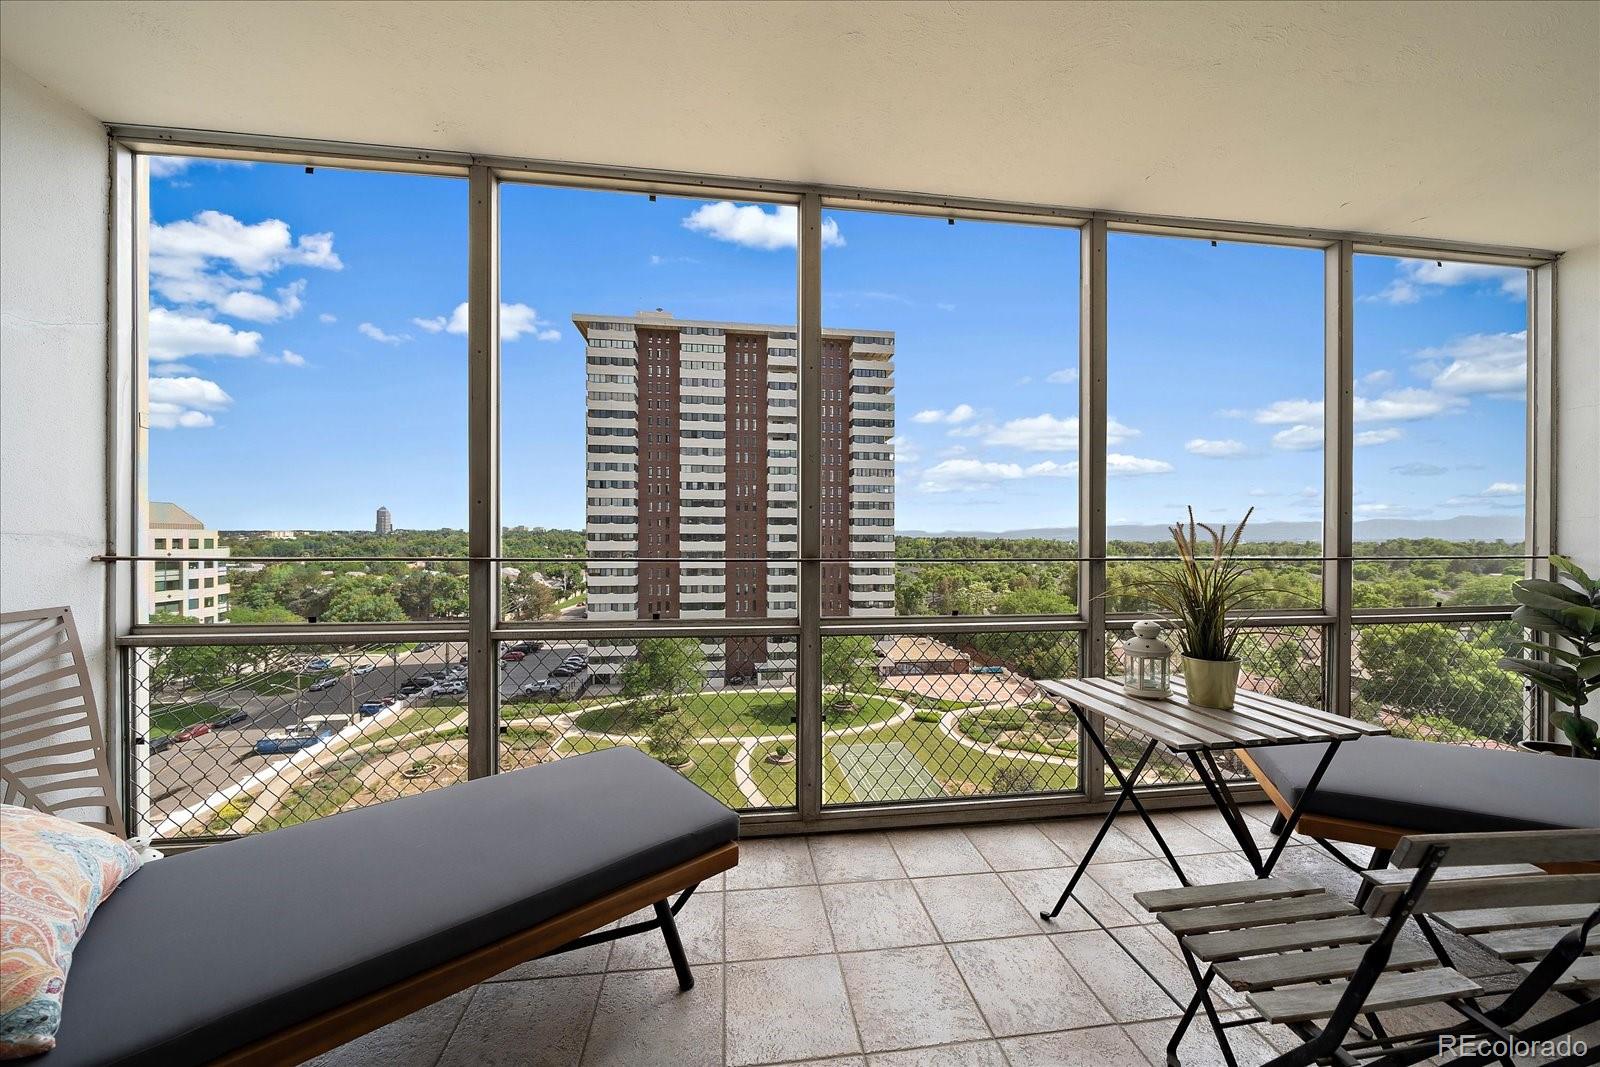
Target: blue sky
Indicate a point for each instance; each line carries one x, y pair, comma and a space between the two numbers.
308, 354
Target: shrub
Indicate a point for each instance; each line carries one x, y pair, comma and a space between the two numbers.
927, 716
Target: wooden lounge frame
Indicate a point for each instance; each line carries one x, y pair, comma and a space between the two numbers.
333, 1028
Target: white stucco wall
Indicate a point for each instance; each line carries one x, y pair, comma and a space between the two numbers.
54, 179
1578, 406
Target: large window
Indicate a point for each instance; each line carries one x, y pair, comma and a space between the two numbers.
303, 457
949, 416
1214, 368
306, 394
1441, 368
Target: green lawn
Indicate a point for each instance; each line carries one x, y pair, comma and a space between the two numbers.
737, 713
712, 770
170, 718
963, 771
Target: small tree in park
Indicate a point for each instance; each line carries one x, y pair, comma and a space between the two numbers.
662, 671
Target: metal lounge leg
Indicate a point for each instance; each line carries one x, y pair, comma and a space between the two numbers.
669, 933
1111, 816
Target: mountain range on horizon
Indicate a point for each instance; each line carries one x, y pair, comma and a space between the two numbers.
1506, 528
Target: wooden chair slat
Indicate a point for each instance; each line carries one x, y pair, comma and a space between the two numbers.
1492, 893
1294, 968
1203, 896
1518, 846
1403, 875
1389, 992
1481, 920
1530, 943
1263, 913
1583, 974
1290, 937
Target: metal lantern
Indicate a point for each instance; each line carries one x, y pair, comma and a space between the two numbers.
1145, 662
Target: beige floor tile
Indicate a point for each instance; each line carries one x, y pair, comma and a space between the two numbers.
854, 857
765, 862
699, 926
908, 997
927, 853
788, 1009
767, 923
1095, 1046
520, 1023
1016, 847
414, 1041
1073, 836
969, 1054
873, 915
1123, 987
1024, 986
643, 1017
970, 906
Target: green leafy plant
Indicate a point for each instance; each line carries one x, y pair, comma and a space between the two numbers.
670, 737
1202, 590
1569, 609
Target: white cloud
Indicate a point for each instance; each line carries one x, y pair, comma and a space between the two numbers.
1119, 464
753, 226
293, 359
367, 329
953, 475
945, 307
217, 261
516, 320
1503, 489
1396, 405
1377, 437
1300, 438
1064, 376
1378, 377
185, 403
1479, 363
905, 449
1417, 278
1047, 433
167, 166
326, 317
1419, 470
1264, 492
955, 416
1215, 449
174, 335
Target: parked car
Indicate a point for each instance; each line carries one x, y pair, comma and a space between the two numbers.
411, 689
424, 646
292, 739
462, 660
737, 679
547, 688
159, 743
527, 646
450, 689
455, 674
372, 707
323, 684
230, 717
361, 668
192, 731
512, 655
312, 666
422, 681
988, 670
566, 670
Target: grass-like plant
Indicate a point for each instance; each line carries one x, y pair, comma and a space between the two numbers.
1204, 588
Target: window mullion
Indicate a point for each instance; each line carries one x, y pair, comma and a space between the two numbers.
483, 468
1338, 429
808, 672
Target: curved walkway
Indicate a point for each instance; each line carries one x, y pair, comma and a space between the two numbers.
567, 725
948, 726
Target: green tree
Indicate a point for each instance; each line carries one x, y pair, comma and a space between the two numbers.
525, 598
1428, 669
1296, 676
362, 599
662, 671
670, 737
847, 667
429, 594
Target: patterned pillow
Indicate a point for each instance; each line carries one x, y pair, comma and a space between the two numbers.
53, 874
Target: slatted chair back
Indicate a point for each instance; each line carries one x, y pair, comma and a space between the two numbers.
1499, 875
52, 750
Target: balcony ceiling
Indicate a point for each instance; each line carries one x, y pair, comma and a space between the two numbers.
1471, 122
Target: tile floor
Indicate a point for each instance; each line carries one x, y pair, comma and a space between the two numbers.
914, 947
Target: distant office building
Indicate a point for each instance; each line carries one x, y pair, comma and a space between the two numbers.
692, 433
193, 588
385, 525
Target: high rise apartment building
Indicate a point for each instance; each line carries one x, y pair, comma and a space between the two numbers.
193, 588
384, 525
692, 475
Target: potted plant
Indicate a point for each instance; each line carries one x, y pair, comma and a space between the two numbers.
1200, 593
1567, 608
781, 755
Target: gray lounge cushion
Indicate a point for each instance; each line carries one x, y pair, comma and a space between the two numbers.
1439, 788
209, 950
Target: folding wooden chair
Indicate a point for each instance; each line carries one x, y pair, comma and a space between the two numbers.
1326, 969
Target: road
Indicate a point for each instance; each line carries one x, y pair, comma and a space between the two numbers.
186, 773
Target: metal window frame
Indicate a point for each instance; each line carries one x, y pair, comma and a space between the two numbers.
484, 629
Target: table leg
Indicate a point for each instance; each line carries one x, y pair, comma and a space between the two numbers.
1127, 786
1205, 765
1111, 816
1299, 806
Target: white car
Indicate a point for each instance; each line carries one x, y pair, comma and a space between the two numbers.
450, 689
361, 668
